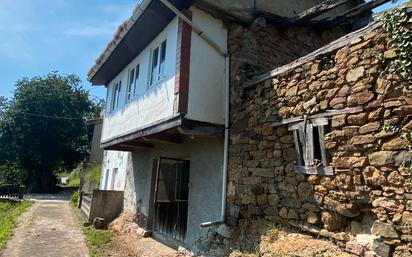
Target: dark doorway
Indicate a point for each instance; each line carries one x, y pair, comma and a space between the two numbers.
171, 198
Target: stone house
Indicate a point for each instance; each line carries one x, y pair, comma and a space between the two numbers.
171, 72
321, 144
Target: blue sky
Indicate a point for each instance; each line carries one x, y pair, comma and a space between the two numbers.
39, 36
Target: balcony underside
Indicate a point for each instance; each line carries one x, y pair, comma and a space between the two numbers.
170, 131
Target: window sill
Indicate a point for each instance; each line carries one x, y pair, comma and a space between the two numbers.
114, 111
157, 83
312, 170
133, 99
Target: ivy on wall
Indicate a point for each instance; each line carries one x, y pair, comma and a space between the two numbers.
398, 27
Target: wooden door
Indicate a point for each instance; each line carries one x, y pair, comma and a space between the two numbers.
171, 198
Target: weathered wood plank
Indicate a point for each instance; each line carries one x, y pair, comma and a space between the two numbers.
302, 139
360, 9
312, 170
309, 149
164, 138
321, 132
298, 146
317, 10
318, 116
316, 122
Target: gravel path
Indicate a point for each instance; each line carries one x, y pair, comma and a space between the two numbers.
47, 229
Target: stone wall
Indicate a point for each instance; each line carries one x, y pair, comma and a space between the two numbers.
366, 205
264, 46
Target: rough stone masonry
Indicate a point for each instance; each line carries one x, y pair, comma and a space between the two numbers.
366, 205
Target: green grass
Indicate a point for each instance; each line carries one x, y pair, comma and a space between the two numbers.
74, 198
74, 182
96, 238
9, 212
93, 174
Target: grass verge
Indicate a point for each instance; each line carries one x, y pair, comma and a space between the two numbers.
94, 238
9, 212
74, 198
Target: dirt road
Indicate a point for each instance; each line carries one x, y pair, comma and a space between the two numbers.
47, 229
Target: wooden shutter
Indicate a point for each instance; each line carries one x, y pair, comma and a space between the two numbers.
308, 154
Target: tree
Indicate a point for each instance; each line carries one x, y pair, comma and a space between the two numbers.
3, 106
43, 127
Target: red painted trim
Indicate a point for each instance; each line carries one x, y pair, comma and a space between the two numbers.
183, 64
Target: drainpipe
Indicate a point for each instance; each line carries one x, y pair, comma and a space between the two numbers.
223, 53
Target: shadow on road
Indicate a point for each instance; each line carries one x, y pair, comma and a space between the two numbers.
60, 197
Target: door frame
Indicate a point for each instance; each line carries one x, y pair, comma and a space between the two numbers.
171, 242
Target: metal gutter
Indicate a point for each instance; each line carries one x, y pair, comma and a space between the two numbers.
224, 53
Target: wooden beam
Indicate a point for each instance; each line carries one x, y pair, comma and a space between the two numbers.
317, 10
164, 138
153, 128
137, 143
221, 13
341, 42
202, 129
358, 10
328, 113
312, 170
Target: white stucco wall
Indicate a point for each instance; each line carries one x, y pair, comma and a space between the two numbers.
207, 68
205, 181
114, 160
152, 103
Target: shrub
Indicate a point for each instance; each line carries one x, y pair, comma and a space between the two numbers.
74, 199
93, 174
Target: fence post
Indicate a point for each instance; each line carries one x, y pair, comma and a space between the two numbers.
21, 192
79, 201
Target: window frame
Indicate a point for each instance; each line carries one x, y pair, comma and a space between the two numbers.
305, 146
130, 85
131, 92
117, 89
160, 65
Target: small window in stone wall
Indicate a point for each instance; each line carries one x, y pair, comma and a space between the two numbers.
309, 137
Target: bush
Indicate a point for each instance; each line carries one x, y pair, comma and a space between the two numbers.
74, 177
74, 199
93, 174
10, 174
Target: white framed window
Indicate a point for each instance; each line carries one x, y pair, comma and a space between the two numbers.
106, 180
133, 80
158, 63
130, 85
116, 95
114, 178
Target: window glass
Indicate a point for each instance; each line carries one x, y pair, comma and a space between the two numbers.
137, 72
162, 60
155, 66
130, 87
114, 98
158, 63
116, 95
